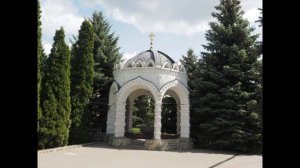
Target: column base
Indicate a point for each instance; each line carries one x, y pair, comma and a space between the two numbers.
119, 141
169, 144
106, 137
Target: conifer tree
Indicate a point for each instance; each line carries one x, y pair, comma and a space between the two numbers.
55, 95
106, 55
227, 86
190, 63
82, 76
39, 57
260, 19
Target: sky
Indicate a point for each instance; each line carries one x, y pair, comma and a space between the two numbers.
177, 24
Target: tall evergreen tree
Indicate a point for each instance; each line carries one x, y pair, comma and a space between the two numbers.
82, 76
190, 63
106, 55
227, 84
55, 95
39, 57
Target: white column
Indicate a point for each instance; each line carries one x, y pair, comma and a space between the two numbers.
120, 119
127, 116
110, 124
130, 116
157, 120
178, 119
185, 121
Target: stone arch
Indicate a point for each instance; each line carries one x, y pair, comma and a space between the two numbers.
182, 68
183, 111
139, 92
175, 67
122, 96
180, 89
172, 94
129, 64
150, 63
139, 63
130, 104
138, 83
167, 65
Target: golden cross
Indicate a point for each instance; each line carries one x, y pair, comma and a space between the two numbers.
151, 35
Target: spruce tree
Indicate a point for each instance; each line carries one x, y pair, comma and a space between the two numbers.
260, 19
55, 95
82, 76
190, 63
106, 55
227, 86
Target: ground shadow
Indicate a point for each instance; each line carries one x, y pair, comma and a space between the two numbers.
138, 145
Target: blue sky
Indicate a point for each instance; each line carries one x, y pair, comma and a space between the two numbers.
177, 25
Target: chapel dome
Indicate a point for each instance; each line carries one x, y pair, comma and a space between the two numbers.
151, 59
157, 57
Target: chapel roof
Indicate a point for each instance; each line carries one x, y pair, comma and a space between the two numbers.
158, 57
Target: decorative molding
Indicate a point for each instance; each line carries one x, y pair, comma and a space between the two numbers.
151, 70
173, 83
167, 65
136, 81
175, 67
129, 64
139, 61
150, 61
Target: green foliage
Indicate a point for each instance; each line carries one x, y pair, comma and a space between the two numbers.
190, 63
136, 130
55, 96
169, 116
82, 76
39, 57
106, 55
225, 113
260, 19
143, 111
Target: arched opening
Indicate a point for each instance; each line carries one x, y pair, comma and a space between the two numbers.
138, 64
129, 64
175, 67
139, 114
180, 94
150, 63
169, 118
167, 65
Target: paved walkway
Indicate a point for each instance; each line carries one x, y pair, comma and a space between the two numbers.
104, 156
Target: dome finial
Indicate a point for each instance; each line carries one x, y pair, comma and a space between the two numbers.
151, 35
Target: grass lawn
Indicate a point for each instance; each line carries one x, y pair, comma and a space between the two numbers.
136, 130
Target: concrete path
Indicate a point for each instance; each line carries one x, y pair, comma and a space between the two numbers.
104, 156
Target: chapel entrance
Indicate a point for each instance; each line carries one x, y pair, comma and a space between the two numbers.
139, 116
149, 89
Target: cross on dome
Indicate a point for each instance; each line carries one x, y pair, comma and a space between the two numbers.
151, 35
